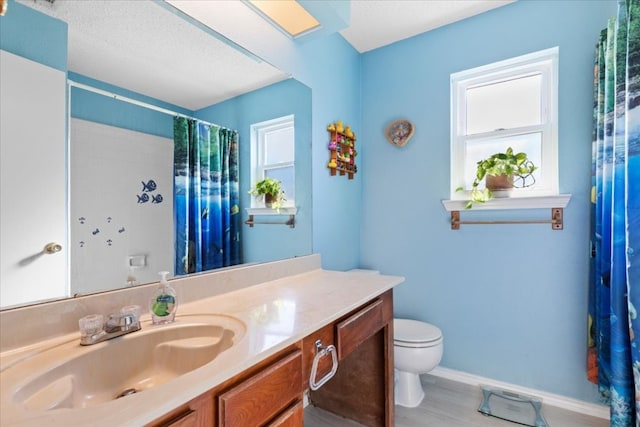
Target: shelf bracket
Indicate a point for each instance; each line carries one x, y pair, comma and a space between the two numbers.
556, 221
291, 222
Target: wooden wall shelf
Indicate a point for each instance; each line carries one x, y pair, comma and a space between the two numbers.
342, 150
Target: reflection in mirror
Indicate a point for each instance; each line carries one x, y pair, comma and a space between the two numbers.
109, 172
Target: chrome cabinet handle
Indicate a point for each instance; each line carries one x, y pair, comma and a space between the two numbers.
52, 248
322, 351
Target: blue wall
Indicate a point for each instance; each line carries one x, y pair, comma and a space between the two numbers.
44, 40
98, 108
511, 300
515, 314
264, 243
331, 68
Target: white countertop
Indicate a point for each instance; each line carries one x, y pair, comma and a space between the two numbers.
276, 314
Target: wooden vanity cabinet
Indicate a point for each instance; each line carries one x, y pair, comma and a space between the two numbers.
267, 395
196, 413
270, 393
292, 417
363, 387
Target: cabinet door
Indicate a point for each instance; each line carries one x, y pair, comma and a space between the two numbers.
357, 328
264, 396
292, 417
32, 183
196, 413
362, 389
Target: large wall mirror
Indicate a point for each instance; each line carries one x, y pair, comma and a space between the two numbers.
105, 151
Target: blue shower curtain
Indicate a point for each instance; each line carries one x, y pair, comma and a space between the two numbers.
614, 327
206, 196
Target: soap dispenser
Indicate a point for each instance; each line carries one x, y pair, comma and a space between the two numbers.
163, 304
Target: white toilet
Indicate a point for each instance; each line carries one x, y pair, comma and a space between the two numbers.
417, 350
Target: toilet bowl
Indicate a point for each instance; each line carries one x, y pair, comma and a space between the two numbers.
417, 350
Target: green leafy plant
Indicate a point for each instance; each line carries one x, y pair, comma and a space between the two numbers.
269, 189
516, 167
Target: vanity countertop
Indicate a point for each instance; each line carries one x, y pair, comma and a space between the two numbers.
276, 314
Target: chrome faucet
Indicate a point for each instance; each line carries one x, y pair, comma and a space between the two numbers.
93, 330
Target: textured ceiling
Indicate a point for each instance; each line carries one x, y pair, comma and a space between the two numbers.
141, 46
144, 47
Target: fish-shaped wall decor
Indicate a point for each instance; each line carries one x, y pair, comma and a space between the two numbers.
149, 186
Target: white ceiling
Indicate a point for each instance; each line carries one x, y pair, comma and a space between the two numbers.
377, 23
172, 60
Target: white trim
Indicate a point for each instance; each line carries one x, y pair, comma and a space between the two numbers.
559, 401
271, 211
499, 66
123, 98
544, 202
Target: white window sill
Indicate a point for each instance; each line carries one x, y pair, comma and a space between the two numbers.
287, 210
539, 202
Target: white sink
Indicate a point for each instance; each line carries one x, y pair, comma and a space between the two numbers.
74, 376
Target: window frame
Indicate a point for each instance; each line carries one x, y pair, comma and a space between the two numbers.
258, 153
545, 63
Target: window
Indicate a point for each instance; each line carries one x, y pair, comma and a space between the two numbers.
273, 154
511, 103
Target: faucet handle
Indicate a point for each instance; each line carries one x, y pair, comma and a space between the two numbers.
130, 316
93, 330
113, 323
132, 311
91, 325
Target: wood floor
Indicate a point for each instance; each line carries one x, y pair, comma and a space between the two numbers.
453, 404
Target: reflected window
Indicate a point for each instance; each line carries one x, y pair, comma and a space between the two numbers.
273, 154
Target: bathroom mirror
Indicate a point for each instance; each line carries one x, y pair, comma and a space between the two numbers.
235, 102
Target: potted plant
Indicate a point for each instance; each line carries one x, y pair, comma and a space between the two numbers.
501, 172
269, 189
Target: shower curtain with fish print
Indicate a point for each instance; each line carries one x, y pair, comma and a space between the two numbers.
614, 294
206, 196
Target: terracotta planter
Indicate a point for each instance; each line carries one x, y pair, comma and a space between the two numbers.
500, 185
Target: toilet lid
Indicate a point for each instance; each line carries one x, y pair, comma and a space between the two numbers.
414, 331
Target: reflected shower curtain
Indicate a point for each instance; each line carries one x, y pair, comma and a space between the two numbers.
614, 294
206, 196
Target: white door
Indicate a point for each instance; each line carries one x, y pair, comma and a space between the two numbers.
32, 181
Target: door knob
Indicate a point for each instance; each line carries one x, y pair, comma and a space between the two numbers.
52, 248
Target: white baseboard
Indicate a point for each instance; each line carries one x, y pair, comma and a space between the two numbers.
575, 405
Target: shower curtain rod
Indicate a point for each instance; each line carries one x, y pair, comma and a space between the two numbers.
136, 102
